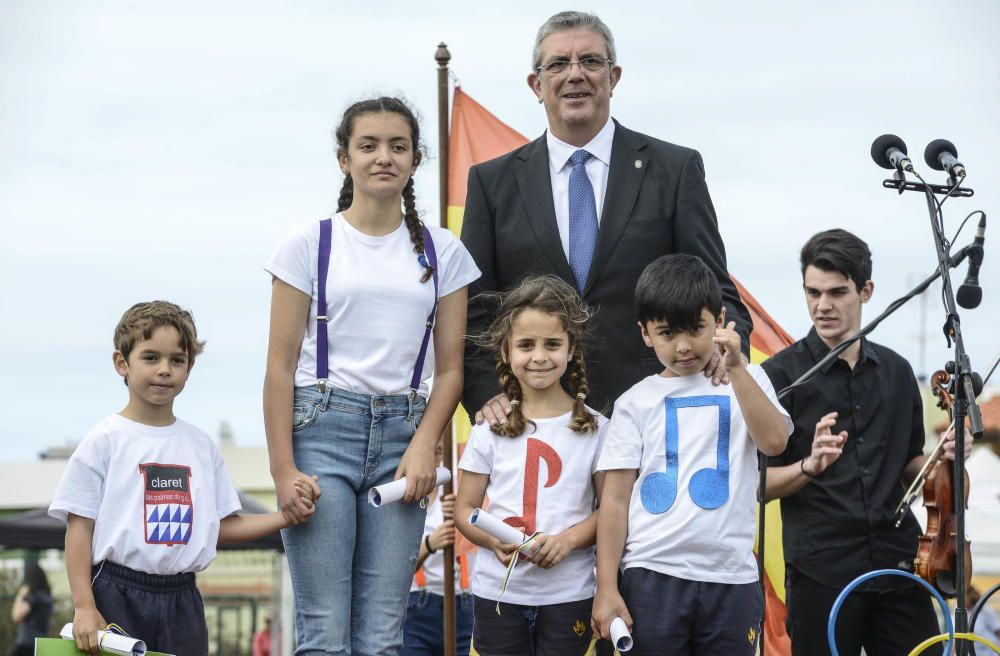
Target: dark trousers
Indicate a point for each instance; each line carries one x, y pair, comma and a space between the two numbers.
884, 623
677, 617
423, 628
165, 612
550, 630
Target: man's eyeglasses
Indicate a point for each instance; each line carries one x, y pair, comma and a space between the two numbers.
561, 66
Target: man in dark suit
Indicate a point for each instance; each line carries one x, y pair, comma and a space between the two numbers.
593, 203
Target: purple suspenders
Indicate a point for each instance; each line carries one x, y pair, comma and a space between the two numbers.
323, 270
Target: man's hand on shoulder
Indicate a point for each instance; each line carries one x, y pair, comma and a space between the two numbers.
495, 411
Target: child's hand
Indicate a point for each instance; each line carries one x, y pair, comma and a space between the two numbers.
417, 465
549, 549
504, 552
290, 500
444, 535
448, 506
86, 623
729, 340
608, 605
308, 489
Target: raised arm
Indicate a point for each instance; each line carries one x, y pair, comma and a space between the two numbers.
696, 232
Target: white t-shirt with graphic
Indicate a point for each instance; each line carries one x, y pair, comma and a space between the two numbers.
376, 305
156, 494
692, 511
539, 481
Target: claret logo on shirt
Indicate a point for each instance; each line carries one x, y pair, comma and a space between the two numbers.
167, 503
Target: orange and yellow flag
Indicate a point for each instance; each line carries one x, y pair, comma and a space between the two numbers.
478, 136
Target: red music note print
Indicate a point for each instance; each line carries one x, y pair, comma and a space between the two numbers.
537, 452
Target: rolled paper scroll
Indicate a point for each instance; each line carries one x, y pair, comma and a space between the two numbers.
494, 527
111, 642
620, 636
394, 491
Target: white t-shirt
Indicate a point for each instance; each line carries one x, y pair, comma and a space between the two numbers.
539, 481
156, 494
693, 519
376, 305
433, 566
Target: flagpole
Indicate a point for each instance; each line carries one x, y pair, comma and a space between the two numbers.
442, 56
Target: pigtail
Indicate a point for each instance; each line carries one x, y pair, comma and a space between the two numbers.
416, 228
346, 194
515, 424
582, 421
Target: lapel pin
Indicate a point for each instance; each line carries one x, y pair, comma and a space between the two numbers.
638, 163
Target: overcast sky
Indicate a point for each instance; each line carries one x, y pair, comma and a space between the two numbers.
161, 150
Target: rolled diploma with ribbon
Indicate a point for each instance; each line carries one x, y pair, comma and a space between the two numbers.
393, 492
492, 526
111, 642
620, 636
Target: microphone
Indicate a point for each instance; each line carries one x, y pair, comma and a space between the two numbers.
889, 152
941, 155
970, 294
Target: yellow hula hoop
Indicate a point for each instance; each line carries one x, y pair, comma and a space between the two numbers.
971, 637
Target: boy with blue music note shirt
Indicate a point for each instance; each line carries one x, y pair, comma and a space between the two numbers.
677, 509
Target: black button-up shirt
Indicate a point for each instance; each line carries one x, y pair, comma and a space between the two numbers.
842, 524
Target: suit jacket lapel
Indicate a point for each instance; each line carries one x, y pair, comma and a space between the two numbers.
625, 175
535, 187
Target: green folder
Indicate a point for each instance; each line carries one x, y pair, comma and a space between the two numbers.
63, 647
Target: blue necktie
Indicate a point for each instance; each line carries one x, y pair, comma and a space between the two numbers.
582, 219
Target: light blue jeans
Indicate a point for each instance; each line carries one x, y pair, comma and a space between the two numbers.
352, 563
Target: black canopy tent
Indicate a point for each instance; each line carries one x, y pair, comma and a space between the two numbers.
34, 529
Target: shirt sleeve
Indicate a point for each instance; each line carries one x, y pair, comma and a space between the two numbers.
917, 435
778, 378
478, 455
764, 382
623, 439
82, 484
293, 261
602, 434
456, 268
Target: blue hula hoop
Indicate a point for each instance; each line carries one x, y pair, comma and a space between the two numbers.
832, 623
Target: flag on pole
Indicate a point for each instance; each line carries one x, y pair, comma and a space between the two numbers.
477, 136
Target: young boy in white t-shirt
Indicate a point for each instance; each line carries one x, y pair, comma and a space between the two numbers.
677, 509
147, 497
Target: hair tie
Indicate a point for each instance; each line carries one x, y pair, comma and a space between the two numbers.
581, 395
515, 402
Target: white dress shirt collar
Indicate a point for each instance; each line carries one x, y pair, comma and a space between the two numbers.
599, 147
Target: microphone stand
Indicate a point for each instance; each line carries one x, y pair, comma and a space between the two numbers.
964, 406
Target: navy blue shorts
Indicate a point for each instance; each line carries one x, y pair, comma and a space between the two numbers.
677, 617
549, 630
165, 612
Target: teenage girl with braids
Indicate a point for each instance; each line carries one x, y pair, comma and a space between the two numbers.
538, 470
365, 418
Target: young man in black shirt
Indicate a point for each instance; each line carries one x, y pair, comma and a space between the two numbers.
858, 438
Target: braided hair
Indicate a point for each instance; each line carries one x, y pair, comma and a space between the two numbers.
343, 137
550, 295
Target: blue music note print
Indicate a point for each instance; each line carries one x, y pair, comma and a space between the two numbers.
709, 487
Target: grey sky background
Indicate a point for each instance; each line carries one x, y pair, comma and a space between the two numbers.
162, 151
